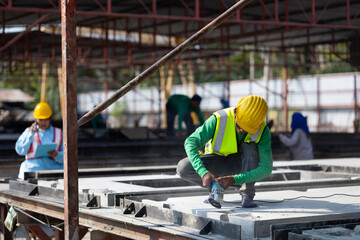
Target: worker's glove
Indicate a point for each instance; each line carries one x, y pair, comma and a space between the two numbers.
207, 180
226, 181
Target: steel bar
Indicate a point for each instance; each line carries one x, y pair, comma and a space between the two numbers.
356, 117
318, 103
126, 226
17, 37
38, 220
167, 58
69, 79
191, 19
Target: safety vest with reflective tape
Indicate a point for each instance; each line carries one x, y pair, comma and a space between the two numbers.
224, 141
36, 141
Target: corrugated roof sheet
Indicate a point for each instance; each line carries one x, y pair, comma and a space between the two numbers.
14, 95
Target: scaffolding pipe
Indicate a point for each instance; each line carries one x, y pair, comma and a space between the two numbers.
20, 35
70, 134
167, 58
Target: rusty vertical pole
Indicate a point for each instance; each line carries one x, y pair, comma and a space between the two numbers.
318, 105
276, 10
348, 12
285, 107
53, 45
285, 78
197, 9
287, 16
313, 12
69, 78
356, 118
3, 37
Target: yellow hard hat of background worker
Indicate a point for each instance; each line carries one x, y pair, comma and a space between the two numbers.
42, 111
250, 113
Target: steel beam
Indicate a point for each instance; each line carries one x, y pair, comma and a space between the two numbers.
123, 225
69, 78
191, 19
17, 37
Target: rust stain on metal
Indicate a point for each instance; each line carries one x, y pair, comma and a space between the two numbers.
69, 78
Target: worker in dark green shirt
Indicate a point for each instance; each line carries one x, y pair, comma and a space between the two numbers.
182, 106
237, 149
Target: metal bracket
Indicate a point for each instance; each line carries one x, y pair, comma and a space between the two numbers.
94, 202
130, 209
34, 192
206, 229
142, 212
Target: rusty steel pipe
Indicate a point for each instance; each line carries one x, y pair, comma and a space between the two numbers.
157, 65
69, 103
20, 35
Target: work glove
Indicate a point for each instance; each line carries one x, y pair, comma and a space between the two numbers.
226, 181
207, 180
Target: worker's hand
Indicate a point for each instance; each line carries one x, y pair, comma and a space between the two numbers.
207, 180
34, 127
53, 153
226, 181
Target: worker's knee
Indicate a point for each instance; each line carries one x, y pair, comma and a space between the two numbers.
184, 167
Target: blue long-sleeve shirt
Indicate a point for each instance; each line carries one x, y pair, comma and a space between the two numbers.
22, 147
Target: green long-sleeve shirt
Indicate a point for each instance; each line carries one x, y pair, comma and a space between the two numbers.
181, 104
205, 132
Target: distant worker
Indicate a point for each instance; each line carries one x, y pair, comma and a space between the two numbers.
41, 132
299, 142
237, 151
182, 106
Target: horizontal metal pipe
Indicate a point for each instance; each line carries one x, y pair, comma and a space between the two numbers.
179, 18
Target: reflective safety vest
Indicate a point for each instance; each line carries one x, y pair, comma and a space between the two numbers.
224, 141
36, 141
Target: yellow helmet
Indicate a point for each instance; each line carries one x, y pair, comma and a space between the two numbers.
42, 111
251, 112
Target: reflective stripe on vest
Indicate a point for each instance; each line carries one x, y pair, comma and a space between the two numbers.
224, 141
36, 141
255, 137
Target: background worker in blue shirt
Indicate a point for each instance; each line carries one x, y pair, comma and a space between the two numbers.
40, 132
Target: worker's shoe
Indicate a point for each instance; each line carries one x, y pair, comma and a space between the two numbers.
247, 202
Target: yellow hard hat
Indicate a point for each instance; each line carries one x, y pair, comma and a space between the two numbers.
42, 111
250, 113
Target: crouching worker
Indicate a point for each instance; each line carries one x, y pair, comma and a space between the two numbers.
237, 151
39, 133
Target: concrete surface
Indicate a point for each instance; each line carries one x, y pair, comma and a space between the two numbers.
274, 207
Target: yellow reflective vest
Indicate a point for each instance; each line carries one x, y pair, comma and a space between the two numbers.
224, 141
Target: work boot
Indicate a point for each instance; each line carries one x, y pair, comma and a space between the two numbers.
247, 202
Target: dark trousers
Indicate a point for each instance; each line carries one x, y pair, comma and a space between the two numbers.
170, 119
246, 159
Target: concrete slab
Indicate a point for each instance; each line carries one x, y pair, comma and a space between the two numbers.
337, 233
340, 162
275, 207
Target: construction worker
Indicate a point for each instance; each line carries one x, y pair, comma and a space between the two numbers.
299, 142
182, 106
237, 149
40, 132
